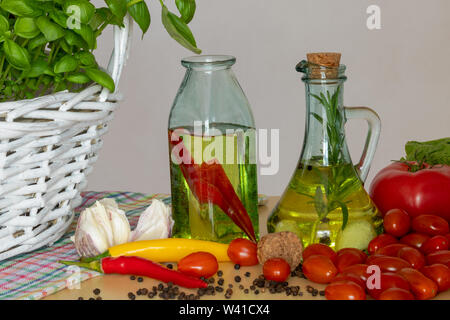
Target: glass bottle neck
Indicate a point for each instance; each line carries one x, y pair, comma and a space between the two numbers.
325, 143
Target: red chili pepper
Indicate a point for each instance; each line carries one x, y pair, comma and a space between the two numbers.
140, 267
210, 184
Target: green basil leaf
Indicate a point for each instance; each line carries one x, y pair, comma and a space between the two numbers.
118, 8
75, 40
4, 24
37, 42
16, 55
86, 59
140, 13
65, 46
51, 30
84, 8
26, 27
88, 35
101, 77
79, 78
178, 30
100, 16
186, 9
67, 63
20, 8
59, 17
37, 69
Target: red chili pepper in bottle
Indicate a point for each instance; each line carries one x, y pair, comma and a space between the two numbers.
210, 184
140, 267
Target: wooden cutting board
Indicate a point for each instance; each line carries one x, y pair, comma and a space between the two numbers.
117, 287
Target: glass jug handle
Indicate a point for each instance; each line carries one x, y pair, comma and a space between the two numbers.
373, 134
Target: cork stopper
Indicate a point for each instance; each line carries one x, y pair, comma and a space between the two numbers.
324, 65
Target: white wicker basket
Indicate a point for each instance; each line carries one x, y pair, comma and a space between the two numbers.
47, 147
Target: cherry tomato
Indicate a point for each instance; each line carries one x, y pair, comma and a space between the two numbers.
344, 290
440, 274
389, 280
276, 269
357, 269
436, 243
422, 287
415, 240
442, 256
350, 277
390, 264
346, 259
391, 250
415, 258
243, 252
370, 259
430, 225
319, 249
396, 294
358, 252
380, 241
448, 237
396, 222
319, 269
199, 264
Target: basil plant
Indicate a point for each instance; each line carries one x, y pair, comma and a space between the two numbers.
47, 45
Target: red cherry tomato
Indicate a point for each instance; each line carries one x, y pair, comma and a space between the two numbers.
396, 294
380, 241
319, 269
436, 243
430, 225
440, 274
389, 280
276, 269
370, 259
415, 240
319, 249
396, 222
350, 277
442, 256
415, 258
422, 287
243, 252
390, 264
358, 252
391, 250
344, 290
357, 269
199, 264
347, 259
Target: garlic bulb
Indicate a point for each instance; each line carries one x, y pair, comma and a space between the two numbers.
155, 223
99, 227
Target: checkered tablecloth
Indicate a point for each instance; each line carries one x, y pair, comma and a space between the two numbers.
37, 274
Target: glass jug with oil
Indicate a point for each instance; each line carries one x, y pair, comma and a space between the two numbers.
325, 201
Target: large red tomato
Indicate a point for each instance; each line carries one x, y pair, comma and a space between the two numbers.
426, 191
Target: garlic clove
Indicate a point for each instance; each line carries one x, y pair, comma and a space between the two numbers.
155, 223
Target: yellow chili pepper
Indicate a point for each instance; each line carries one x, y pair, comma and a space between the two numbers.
169, 250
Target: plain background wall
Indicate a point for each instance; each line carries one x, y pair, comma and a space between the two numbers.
401, 71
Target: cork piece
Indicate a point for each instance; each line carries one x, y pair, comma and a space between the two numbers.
285, 245
326, 59
324, 65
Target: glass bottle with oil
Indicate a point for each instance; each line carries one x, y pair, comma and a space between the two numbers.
325, 200
212, 154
